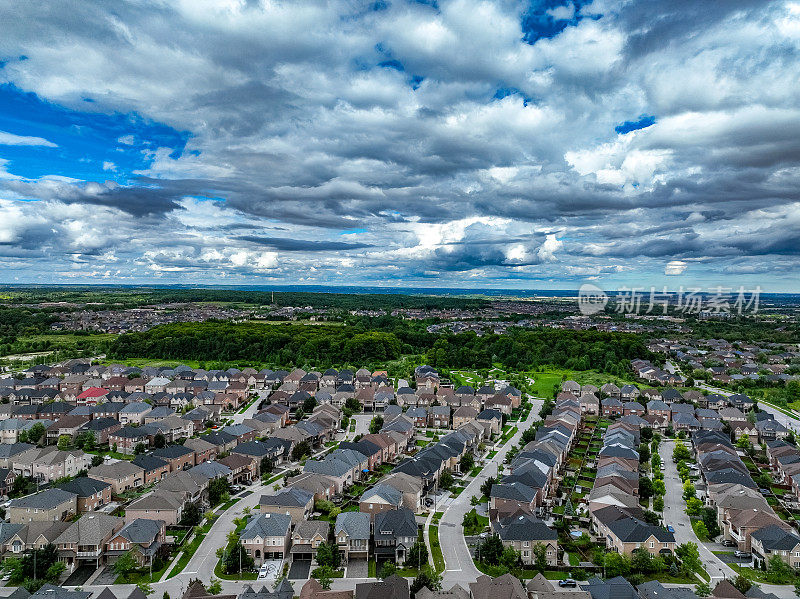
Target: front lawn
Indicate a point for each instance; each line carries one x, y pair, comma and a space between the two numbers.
436, 548
187, 554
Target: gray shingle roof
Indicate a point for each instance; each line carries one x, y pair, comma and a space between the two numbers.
267, 525
84, 486
48, 591
354, 524
288, 497
385, 492
44, 500
525, 528
775, 538
141, 530
395, 523
92, 529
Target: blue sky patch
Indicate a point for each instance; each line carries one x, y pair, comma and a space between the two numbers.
643, 122
90, 145
392, 64
545, 19
504, 92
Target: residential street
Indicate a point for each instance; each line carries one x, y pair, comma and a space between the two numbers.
675, 515
459, 567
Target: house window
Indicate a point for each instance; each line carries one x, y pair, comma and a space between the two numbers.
652, 544
526, 543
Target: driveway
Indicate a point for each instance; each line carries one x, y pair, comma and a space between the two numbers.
106, 577
299, 570
80, 576
729, 558
357, 568
362, 424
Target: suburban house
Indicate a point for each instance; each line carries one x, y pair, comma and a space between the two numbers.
627, 534
306, 538
158, 505
177, 456
92, 494
267, 537
127, 438
395, 532
352, 532
155, 469
774, 540
50, 505
121, 475
523, 533
380, 498
85, 539
297, 503
144, 537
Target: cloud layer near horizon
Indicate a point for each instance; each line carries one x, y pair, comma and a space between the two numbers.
452, 143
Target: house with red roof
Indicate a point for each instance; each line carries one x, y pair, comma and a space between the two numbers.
92, 396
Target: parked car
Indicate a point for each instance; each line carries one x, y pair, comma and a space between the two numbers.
567, 582
741, 554
428, 501
670, 528
728, 543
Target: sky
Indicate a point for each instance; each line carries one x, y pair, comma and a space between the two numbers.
477, 144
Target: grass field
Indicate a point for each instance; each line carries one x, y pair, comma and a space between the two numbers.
544, 380
68, 339
142, 362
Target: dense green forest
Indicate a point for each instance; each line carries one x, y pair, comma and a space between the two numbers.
16, 322
387, 340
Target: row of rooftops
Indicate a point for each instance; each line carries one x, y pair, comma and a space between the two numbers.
613, 500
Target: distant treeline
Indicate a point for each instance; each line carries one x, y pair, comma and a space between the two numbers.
747, 330
106, 296
284, 346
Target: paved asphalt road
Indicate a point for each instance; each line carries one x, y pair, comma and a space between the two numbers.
675, 514
459, 567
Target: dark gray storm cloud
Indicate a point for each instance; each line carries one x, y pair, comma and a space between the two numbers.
301, 245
